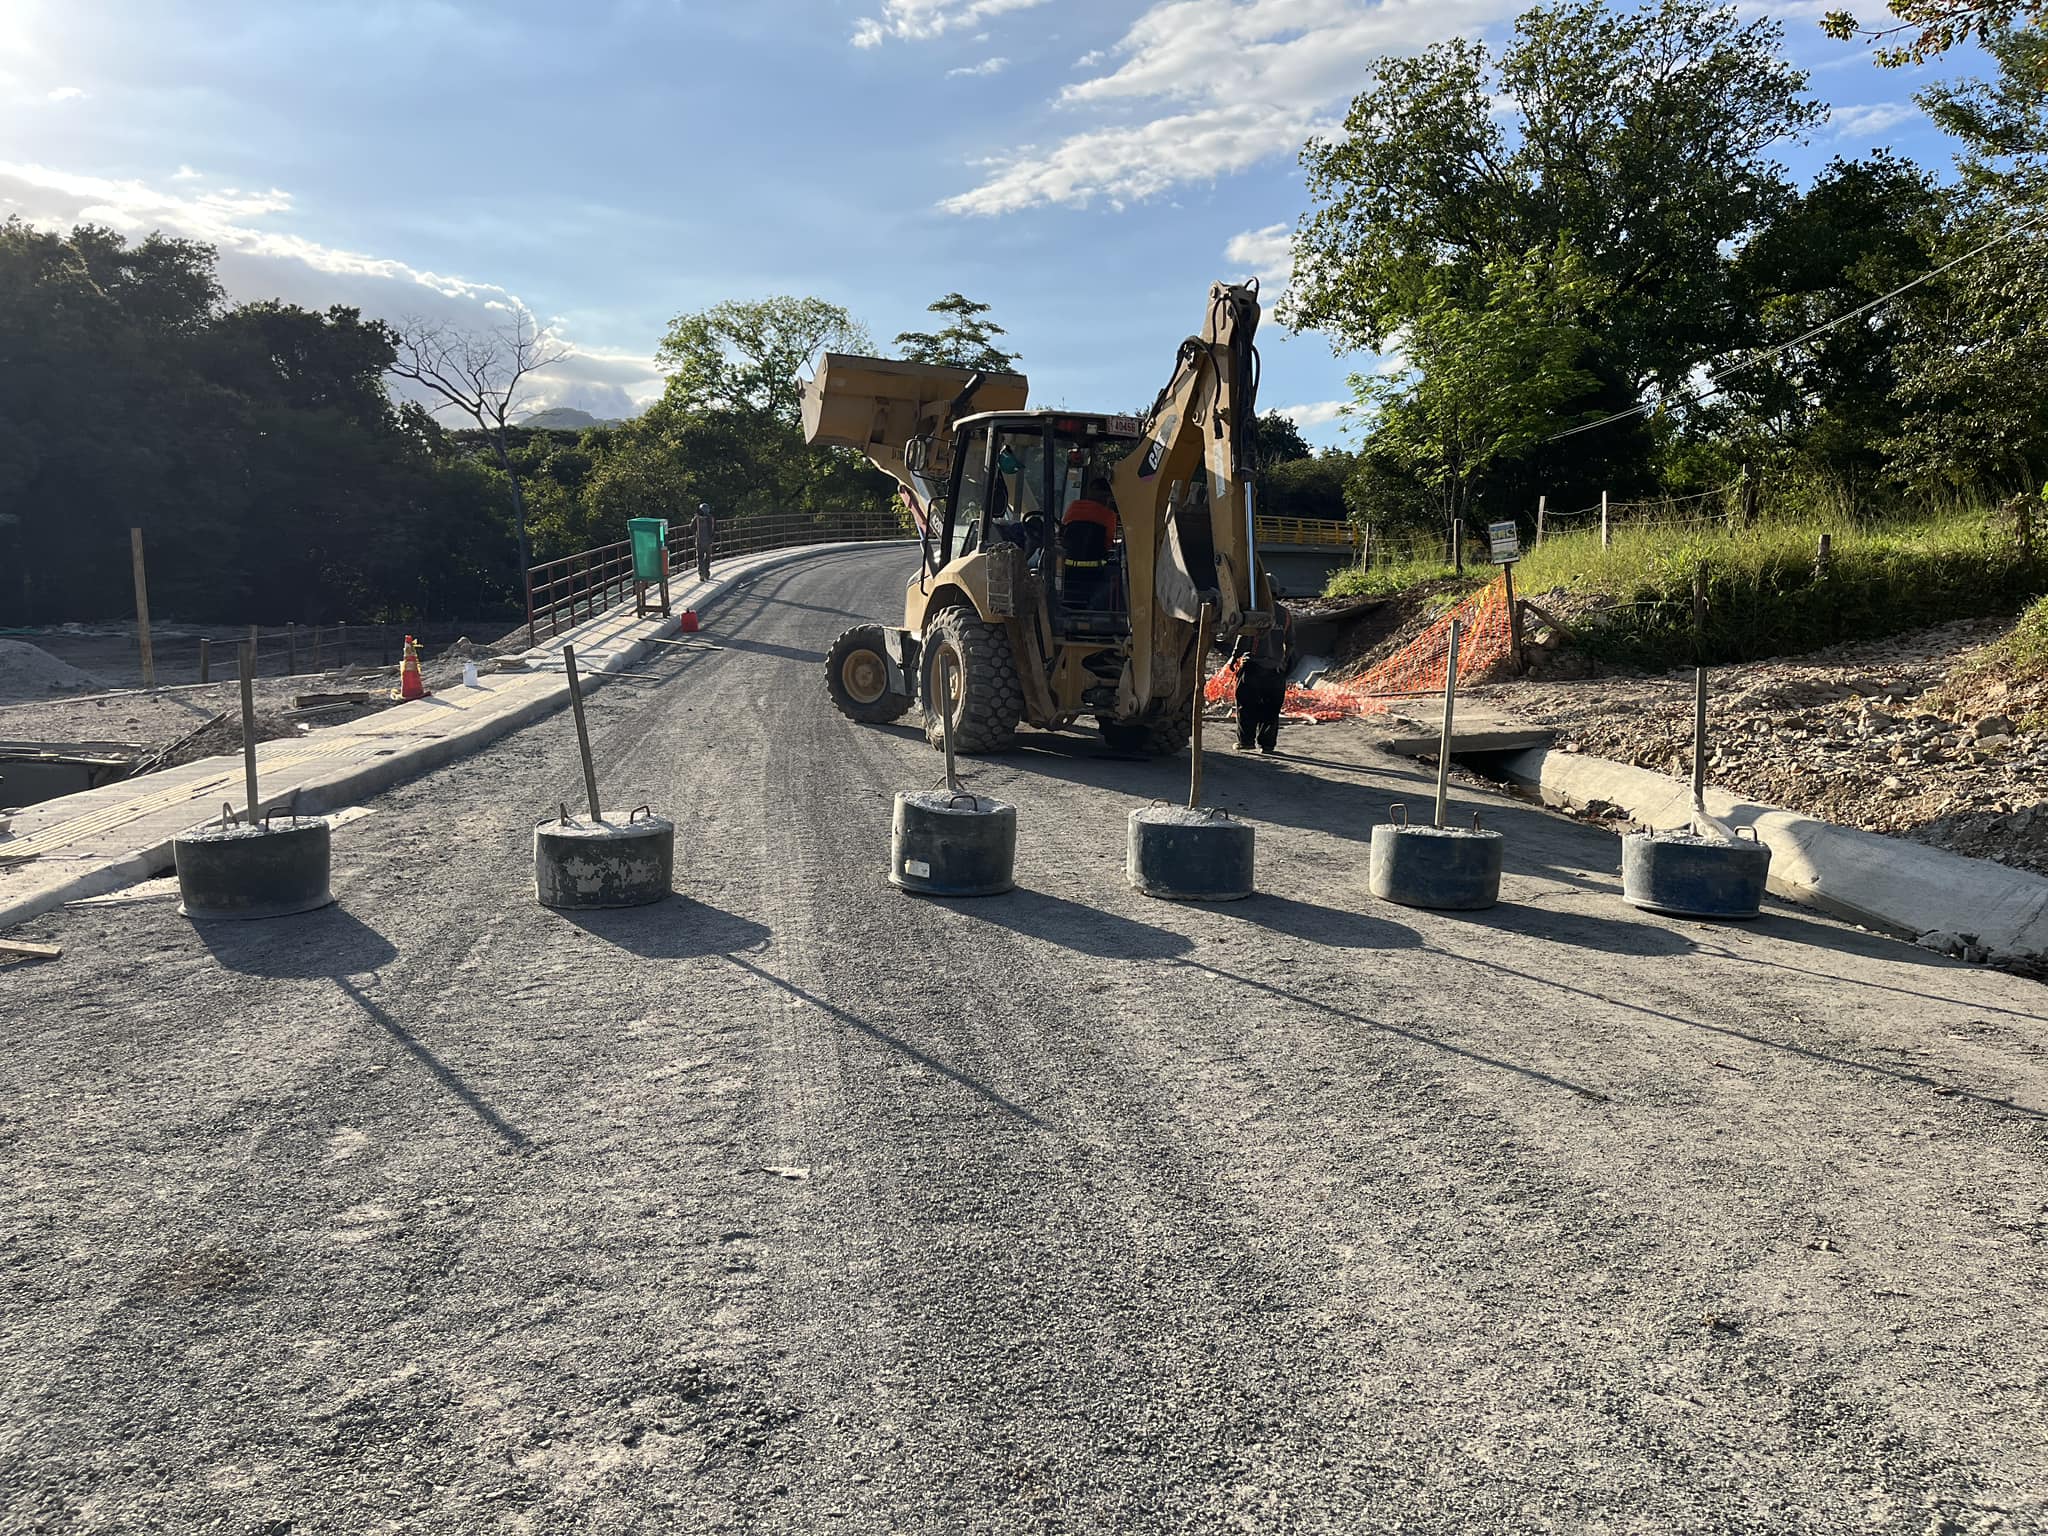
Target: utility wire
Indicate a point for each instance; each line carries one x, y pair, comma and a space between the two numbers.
1713, 384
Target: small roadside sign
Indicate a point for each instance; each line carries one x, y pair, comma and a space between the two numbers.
1507, 542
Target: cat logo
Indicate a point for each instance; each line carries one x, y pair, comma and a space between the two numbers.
1155, 451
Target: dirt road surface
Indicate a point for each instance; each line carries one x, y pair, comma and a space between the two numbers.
798, 1205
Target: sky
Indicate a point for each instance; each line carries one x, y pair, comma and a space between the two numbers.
1087, 167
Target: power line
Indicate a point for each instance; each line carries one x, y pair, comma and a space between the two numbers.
1713, 383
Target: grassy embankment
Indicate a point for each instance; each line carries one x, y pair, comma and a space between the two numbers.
1765, 596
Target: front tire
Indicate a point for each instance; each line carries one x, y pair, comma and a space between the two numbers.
857, 677
988, 700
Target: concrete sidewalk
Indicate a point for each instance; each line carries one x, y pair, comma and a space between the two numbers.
98, 841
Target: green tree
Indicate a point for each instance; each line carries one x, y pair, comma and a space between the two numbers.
1925, 29
1279, 439
1490, 374
1824, 406
968, 341
1643, 139
748, 357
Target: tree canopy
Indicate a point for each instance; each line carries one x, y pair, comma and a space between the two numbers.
968, 341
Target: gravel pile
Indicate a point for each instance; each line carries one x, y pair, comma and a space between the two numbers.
28, 672
1860, 735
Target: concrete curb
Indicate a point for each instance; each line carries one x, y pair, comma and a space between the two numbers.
324, 793
1881, 882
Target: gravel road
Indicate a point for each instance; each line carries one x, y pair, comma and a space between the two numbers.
799, 1205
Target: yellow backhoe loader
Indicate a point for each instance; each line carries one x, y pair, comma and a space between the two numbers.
1032, 604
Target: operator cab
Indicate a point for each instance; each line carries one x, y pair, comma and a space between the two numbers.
1040, 480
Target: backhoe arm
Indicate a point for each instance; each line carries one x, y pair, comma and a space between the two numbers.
1205, 418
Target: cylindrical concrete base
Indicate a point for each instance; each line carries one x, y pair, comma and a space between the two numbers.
1189, 855
943, 844
582, 865
237, 871
1453, 869
1692, 876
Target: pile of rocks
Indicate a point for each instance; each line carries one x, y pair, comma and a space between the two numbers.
1855, 736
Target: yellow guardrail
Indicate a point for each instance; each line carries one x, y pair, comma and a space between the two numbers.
1305, 530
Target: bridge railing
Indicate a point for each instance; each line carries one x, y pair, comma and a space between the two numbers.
563, 593
1305, 530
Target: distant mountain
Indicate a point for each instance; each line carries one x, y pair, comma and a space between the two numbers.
566, 418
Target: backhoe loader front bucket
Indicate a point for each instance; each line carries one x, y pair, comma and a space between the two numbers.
880, 404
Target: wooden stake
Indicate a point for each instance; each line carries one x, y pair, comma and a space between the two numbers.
1443, 751
582, 730
1825, 555
1699, 740
1458, 545
205, 660
291, 646
1605, 538
142, 608
1542, 506
248, 671
1208, 616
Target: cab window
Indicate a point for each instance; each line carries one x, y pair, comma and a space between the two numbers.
970, 504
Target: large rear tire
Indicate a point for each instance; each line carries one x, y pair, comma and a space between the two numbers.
988, 700
857, 677
1159, 735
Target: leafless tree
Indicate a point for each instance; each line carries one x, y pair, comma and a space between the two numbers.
480, 374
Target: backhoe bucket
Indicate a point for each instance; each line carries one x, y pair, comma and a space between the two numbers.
879, 404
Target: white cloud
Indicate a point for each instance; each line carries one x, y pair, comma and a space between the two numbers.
915, 20
1267, 254
259, 261
1869, 121
1319, 414
66, 93
1228, 83
1090, 59
993, 66
186, 173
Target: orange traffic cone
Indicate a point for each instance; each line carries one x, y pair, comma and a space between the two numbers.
410, 684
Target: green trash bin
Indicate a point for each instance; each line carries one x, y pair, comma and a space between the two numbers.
650, 537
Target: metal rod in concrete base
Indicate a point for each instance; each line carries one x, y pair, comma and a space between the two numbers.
1691, 875
951, 843
229, 870
1189, 855
1451, 869
587, 865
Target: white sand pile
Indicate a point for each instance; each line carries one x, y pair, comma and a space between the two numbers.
29, 672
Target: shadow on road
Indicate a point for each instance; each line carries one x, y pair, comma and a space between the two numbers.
438, 1069
1090, 930
306, 947
676, 928
894, 1042
1612, 935
1730, 1032
766, 648
1420, 1037
1333, 926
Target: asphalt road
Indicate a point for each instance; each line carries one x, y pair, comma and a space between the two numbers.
798, 1205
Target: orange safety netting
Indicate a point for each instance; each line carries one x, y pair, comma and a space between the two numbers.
1418, 667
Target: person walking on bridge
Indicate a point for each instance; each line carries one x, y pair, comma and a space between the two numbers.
1264, 658
707, 535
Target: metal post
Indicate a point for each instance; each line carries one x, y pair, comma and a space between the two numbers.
1542, 506
582, 730
1699, 739
205, 660
1443, 751
248, 671
1507, 575
949, 691
1208, 616
1605, 539
142, 608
